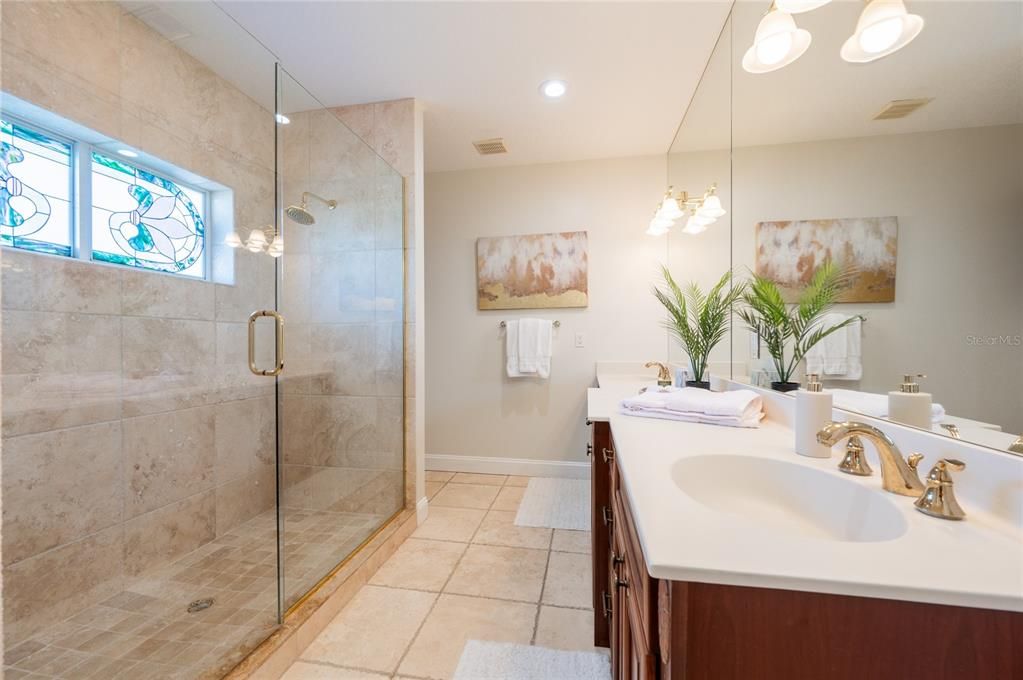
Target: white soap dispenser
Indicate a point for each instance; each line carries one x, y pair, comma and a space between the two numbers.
909, 405
813, 412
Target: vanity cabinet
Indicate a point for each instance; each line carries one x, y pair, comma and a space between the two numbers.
682, 630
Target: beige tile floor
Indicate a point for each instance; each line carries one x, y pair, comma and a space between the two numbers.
467, 573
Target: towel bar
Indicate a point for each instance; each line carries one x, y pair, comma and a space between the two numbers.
557, 324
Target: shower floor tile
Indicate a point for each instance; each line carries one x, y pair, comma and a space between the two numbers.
145, 631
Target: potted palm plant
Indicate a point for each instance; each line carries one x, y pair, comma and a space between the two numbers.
779, 325
698, 320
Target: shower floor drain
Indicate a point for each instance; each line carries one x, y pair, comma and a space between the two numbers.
200, 605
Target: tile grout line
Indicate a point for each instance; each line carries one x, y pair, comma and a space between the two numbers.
543, 588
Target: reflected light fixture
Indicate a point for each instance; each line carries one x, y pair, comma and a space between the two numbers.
128, 153
553, 89
282, 119
778, 42
233, 240
276, 248
659, 226
711, 207
669, 209
884, 27
256, 241
694, 225
799, 6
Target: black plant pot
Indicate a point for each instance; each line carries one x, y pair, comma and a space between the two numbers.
702, 384
784, 386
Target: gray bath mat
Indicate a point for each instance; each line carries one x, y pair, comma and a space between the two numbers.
555, 503
508, 661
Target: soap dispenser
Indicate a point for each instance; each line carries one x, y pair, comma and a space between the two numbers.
909, 405
813, 412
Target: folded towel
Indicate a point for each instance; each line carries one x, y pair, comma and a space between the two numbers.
875, 405
511, 345
838, 356
737, 408
528, 347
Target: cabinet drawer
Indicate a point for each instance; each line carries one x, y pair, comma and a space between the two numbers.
642, 589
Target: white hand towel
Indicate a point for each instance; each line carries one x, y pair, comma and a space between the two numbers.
511, 346
838, 356
529, 345
544, 348
876, 405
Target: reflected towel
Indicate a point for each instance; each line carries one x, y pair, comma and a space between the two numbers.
875, 405
838, 356
735, 408
535, 342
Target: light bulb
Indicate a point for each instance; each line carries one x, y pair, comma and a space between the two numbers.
233, 240
552, 89
773, 49
711, 207
881, 36
669, 209
778, 42
884, 27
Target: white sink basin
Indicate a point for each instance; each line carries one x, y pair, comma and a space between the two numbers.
790, 497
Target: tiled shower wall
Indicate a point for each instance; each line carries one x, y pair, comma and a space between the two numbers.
133, 431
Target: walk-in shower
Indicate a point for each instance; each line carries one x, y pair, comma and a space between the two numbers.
164, 504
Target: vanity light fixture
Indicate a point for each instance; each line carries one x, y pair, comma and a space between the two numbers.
233, 240
256, 241
553, 89
699, 212
884, 27
778, 42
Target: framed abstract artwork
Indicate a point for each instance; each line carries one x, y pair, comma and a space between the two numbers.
789, 252
533, 271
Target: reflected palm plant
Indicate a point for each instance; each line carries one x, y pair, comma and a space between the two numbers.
698, 320
768, 315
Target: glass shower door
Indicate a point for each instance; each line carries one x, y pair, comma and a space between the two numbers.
340, 291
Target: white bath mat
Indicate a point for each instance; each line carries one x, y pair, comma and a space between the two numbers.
508, 661
556, 504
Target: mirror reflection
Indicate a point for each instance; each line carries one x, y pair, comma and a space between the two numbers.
873, 178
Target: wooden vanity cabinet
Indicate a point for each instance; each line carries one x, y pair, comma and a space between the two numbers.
676, 630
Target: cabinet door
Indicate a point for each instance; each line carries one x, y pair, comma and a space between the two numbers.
601, 502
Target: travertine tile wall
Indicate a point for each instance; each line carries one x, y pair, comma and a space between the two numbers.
133, 431
394, 130
342, 403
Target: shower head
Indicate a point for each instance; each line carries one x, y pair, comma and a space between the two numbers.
301, 215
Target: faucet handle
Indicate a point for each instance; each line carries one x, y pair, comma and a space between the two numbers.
938, 499
914, 460
663, 374
854, 462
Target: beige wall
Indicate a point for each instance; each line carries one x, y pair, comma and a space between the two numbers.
958, 195
133, 431
473, 409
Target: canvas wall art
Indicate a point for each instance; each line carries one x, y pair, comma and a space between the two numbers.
534, 271
790, 252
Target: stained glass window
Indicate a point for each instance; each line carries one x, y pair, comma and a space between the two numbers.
35, 190
143, 220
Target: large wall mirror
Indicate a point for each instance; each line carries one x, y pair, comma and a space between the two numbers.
906, 171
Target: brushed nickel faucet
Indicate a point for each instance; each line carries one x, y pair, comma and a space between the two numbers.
897, 474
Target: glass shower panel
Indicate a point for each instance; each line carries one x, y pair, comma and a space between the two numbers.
139, 451
341, 290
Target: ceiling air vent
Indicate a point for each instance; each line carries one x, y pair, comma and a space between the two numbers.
489, 147
900, 108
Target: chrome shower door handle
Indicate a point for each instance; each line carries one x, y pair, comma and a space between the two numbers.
278, 343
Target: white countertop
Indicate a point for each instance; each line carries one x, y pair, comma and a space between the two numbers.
977, 562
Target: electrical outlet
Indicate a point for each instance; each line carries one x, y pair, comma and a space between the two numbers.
580, 340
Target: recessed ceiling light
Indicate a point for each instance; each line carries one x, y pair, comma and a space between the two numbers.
282, 119
127, 153
552, 89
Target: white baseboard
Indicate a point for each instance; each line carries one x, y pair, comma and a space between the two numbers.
508, 466
422, 510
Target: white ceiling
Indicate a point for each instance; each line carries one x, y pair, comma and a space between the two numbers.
969, 58
477, 66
